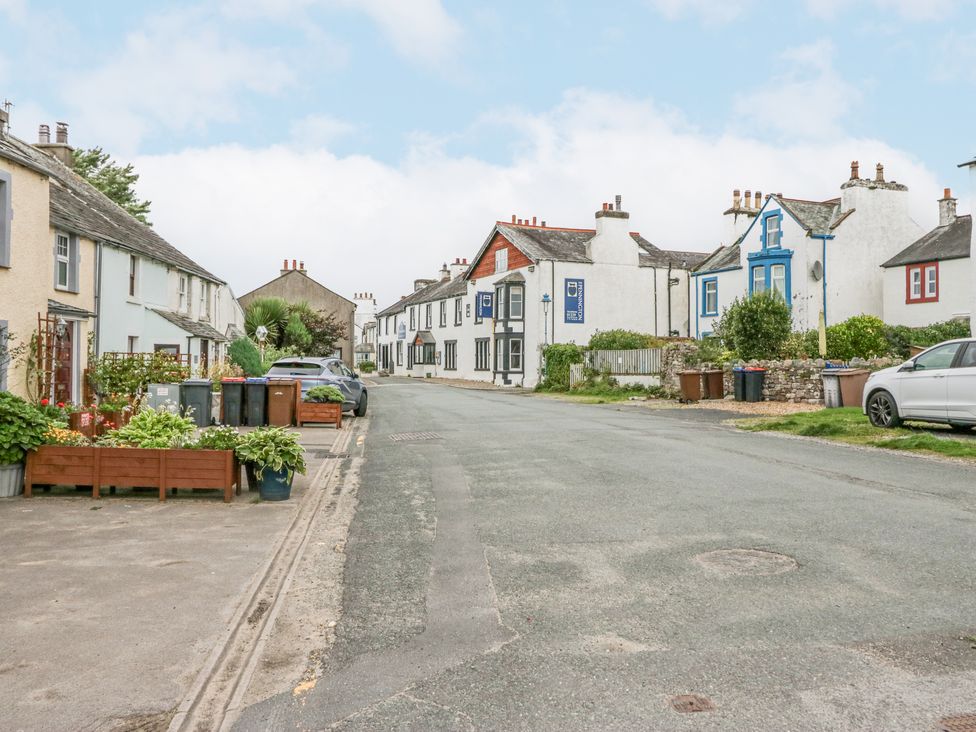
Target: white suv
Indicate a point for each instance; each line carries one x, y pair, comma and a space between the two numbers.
938, 385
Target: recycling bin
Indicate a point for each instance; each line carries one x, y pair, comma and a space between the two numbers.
739, 383
163, 395
831, 388
196, 400
754, 378
232, 402
714, 383
256, 401
852, 383
282, 398
691, 387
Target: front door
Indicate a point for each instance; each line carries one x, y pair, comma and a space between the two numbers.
204, 357
64, 357
962, 387
923, 391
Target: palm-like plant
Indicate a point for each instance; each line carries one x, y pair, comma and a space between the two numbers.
272, 313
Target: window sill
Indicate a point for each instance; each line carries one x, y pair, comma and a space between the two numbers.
710, 315
921, 300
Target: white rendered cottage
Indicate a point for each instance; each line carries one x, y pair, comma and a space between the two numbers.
821, 256
532, 284
931, 280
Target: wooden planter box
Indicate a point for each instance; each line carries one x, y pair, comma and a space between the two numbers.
133, 468
324, 412
83, 422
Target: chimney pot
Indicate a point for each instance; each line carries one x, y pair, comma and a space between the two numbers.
62, 133
736, 199
301, 266
619, 200
533, 220
44, 134
543, 224
748, 199
284, 264
879, 173
464, 261
520, 222
513, 218
293, 263
854, 169
759, 199
947, 193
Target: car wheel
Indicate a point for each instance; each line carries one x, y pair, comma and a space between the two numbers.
882, 410
959, 427
361, 407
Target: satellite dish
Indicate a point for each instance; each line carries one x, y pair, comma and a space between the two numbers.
816, 271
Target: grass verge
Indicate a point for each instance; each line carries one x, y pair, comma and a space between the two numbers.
850, 426
601, 393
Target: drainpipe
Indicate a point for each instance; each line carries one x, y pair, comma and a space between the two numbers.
98, 298
688, 300
823, 260
669, 299
697, 308
552, 272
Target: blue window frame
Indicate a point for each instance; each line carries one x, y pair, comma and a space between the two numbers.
772, 230
770, 270
709, 296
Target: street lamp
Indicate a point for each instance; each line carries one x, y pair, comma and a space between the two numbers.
261, 333
546, 301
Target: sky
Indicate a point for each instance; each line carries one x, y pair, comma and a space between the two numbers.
377, 139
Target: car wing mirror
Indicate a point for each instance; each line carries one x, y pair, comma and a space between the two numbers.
907, 366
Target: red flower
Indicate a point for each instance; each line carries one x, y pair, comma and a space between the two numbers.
45, 402
60, 405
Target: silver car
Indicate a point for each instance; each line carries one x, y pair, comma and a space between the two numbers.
324, 372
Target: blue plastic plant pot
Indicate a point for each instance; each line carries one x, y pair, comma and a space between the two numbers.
275, 485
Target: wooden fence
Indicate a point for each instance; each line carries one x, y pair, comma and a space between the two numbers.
640, 362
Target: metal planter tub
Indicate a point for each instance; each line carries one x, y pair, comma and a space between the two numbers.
11, 480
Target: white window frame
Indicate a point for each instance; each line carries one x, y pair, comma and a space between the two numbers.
413, 318
443, 313
916, 293
711, 296
458, 311
515, 354
931, 281
501, 260
183, 300
773, 233
516, 313
133, 288
429, 315
774, 279
62, 259
760, 284
500, 309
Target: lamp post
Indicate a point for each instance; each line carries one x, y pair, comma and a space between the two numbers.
261, 333
546, 301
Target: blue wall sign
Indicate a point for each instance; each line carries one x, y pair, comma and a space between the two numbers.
574, 301
402, 332
486, 301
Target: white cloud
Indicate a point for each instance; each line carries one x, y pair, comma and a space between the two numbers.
709, 11
420, 29
15, 10
906, 9
178, 73
319, 130
360, 224
808, 100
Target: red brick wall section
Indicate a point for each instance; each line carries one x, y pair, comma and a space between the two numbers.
485, 267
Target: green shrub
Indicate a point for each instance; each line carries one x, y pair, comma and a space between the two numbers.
244, 354
271, 312
22, 428
862, 336
153, 428
272, 447
757, 327
131, 375
323, 394
558, 358
710, 350
224, 437
622, 340
296, 336
802, 344
367, 367
900, 337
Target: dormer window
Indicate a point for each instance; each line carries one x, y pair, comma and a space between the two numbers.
66, 261
501, 260
773, 231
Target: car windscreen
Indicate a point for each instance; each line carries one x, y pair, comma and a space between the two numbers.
292, 367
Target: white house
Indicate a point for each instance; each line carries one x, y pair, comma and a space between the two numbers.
821, 256
931, 280
531, 284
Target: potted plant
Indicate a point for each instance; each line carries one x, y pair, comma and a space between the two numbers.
115, 411
275, 455
22, 429
321, 404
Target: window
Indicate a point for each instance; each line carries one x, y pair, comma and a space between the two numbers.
62, 262
515, 299
457, 311
938, 358
709, 296
515, 354
922, 282
133, 344
500, 360
428, 315
501, 260
443, 313
6, 215
171, 348
758, 279
968, 360
777, 279
399, 360
482, 354
500, 303
413, 320
204, 312
133, 274
450, 355
773, 231
183, 300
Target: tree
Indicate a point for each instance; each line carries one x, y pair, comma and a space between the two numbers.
245, 354
112, 179
272, 313
757, 327
325, 330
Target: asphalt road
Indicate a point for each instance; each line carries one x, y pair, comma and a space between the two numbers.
553, 566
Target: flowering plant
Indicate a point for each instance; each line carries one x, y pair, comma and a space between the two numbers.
59, 436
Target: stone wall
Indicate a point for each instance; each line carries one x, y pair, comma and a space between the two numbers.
790, 380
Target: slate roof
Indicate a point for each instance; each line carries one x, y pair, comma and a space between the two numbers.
817, 217
726, 257
437, 291
53, 306
80, 208
943, 242
193, 327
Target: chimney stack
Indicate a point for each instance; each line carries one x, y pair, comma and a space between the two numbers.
854, 169
947, 208
44, 135
445, 273
619, 200
879, 173
60, 148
